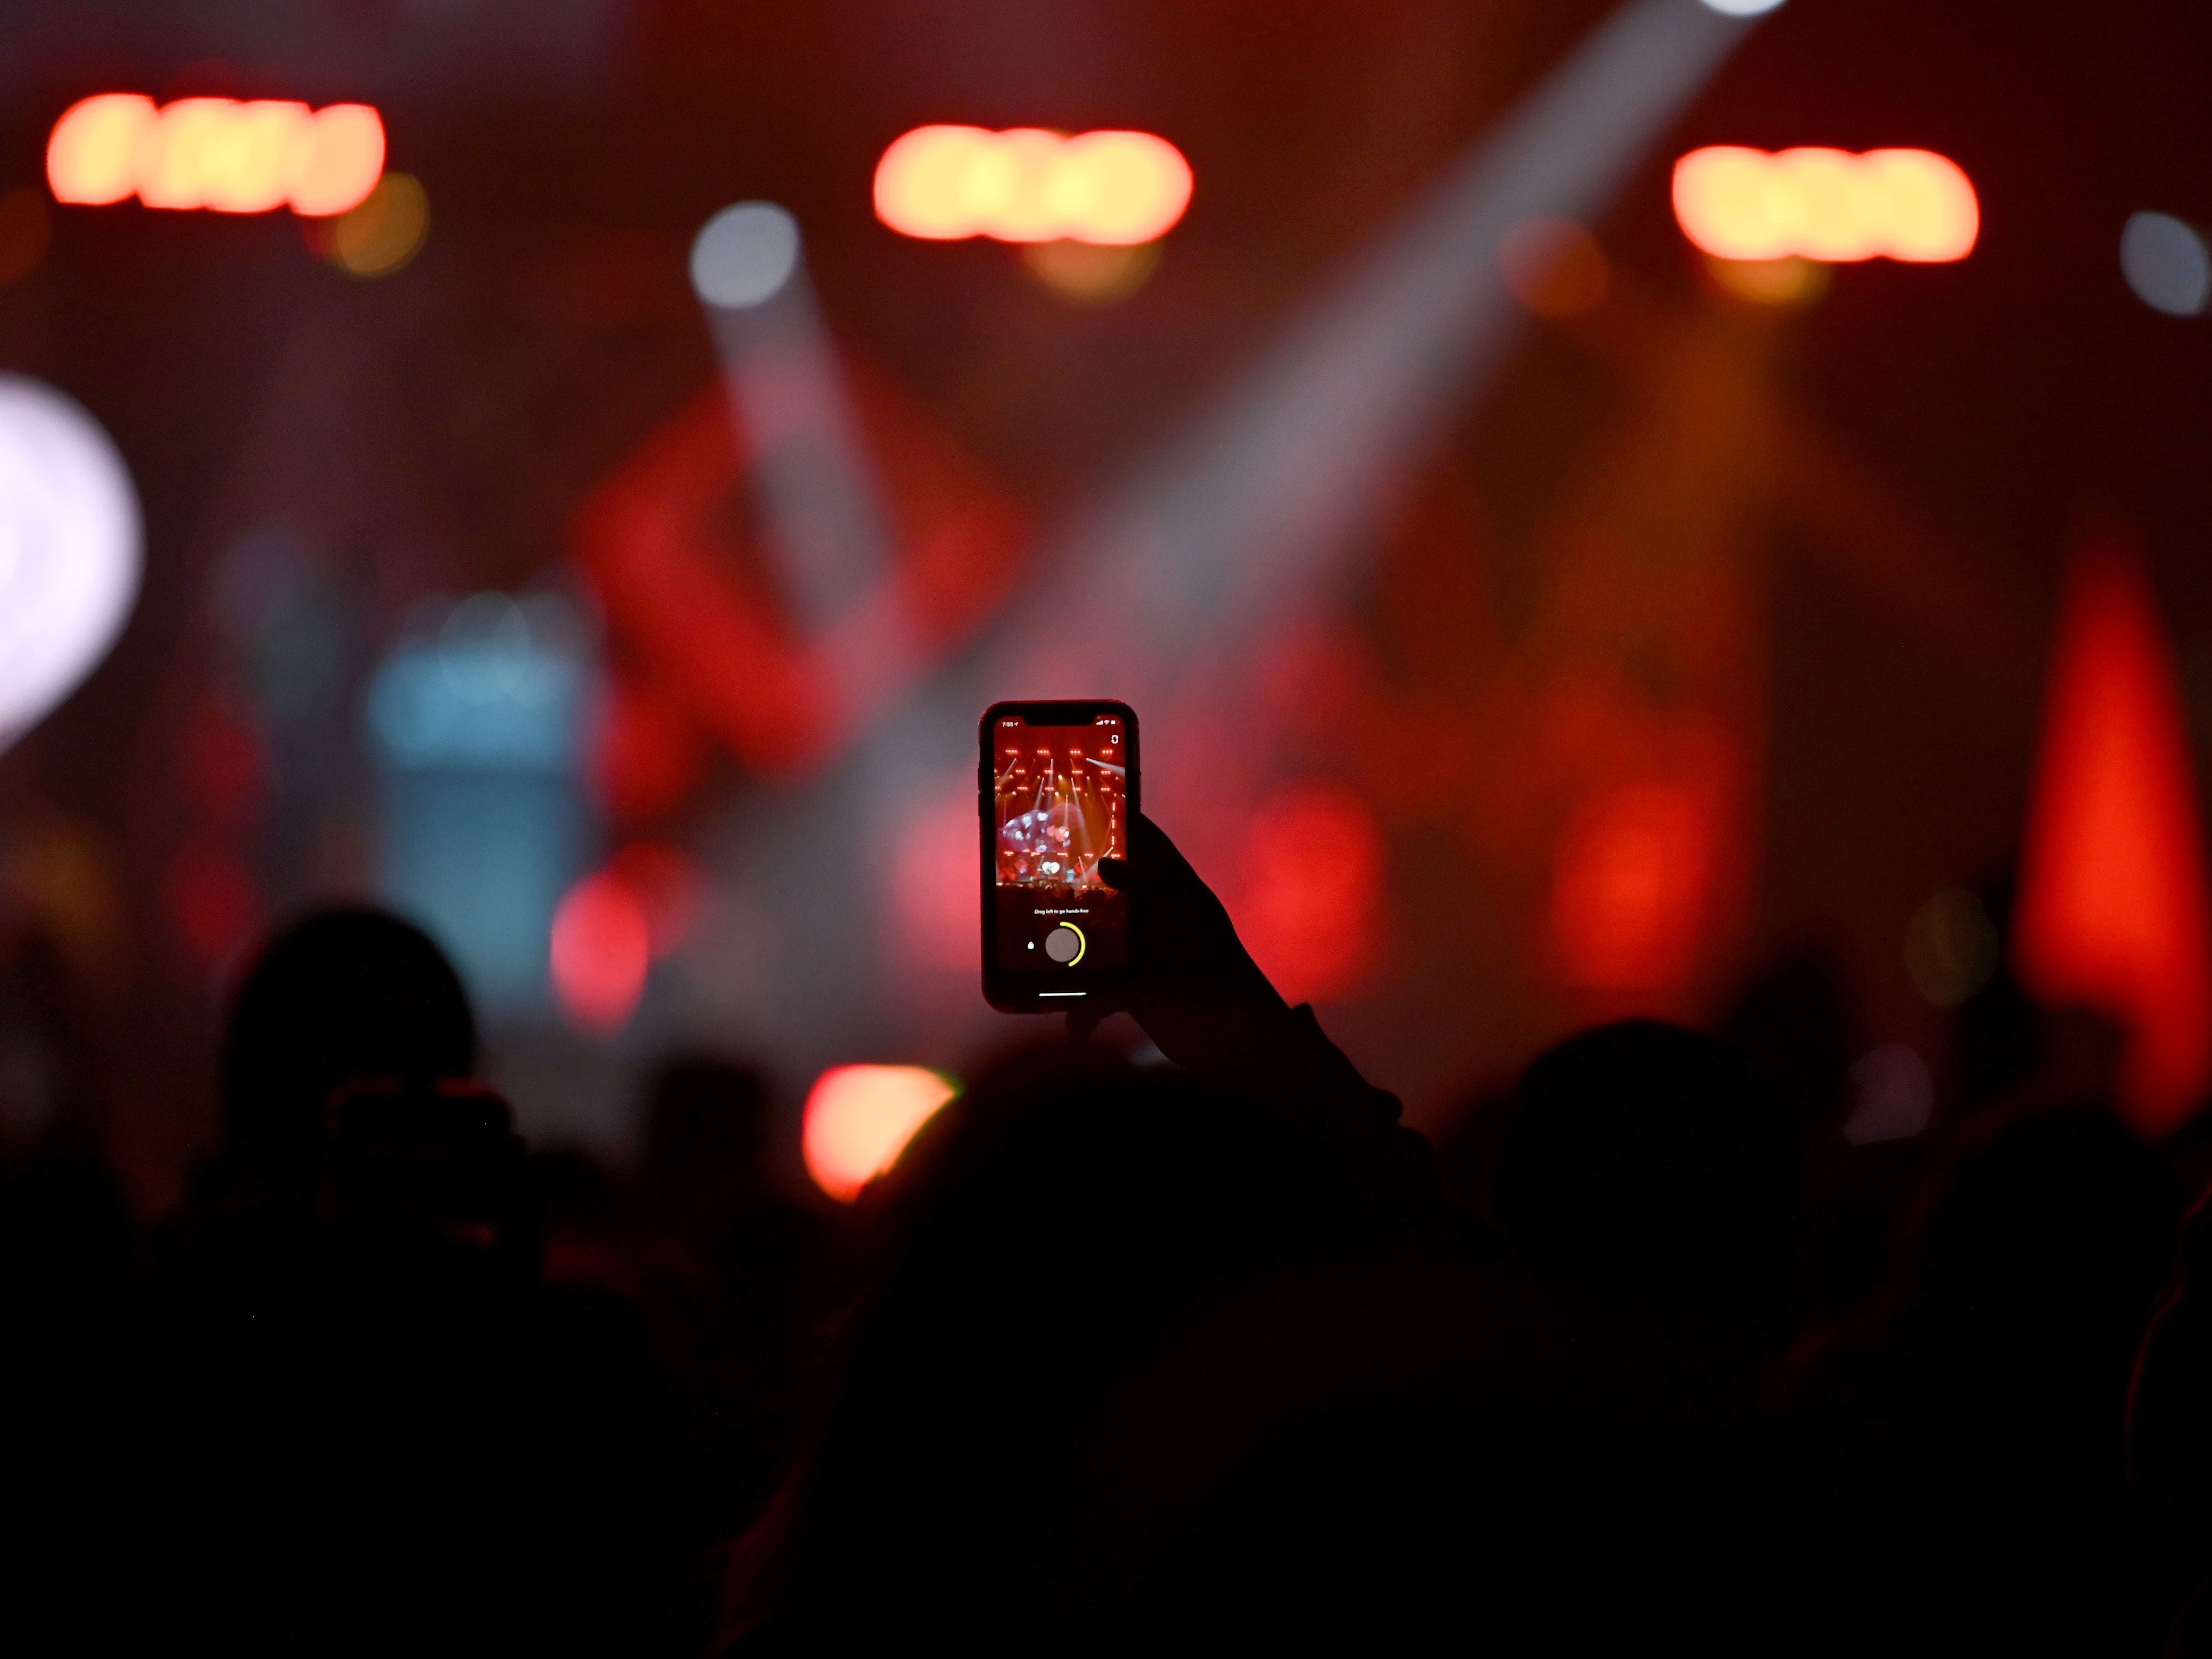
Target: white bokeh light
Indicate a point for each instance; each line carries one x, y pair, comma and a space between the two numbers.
2166, 264
1741, 8
70, 550
745, 255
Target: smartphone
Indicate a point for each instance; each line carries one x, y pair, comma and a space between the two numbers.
418, 1155
1056, 788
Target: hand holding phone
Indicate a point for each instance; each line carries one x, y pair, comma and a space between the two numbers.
1194, 986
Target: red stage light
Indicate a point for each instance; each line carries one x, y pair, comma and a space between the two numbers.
1309, 908
601, 946
934, 882
859, 1118
649, 753
1631, 885
2113, 911
1825, 205
654, 541
944, 182
215, 153
213, 899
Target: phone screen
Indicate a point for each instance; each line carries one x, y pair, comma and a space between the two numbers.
1059, 803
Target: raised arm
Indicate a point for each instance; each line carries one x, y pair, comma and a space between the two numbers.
1199, 995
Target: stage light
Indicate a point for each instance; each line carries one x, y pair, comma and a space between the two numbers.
1089, 273
1554, 267
70, 550
1631, 884
1827, 204
859, 1118
2113, 912
215, 153
1309, 905
339, 161
1952, 948
213, 900
382, 234
2165, 263
1742, 8
1791, 283
745, 255
602, 945
93, 155
944, 182
478, 731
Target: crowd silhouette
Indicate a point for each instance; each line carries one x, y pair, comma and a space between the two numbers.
1202, 1350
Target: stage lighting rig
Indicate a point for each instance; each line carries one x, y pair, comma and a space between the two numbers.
1825, 205
215, 153
1117, 189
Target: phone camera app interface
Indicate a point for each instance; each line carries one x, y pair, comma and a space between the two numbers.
1060, 806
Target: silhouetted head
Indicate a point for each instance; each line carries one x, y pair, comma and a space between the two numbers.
2000, 1037
706, 1122
1031, 1242
1792, 1027
2050, 1237
1645, 1159
342, 994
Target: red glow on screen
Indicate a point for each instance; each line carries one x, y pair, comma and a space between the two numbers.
859, 1118
1631, 884
215, 153
1825, 205
1030, 186
602, 947
1311, 901
2113, 912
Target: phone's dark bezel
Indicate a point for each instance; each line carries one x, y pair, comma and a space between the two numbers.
1018, 992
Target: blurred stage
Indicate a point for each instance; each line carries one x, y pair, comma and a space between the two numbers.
1533, 618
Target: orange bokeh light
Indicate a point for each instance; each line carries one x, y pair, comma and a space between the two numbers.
215, 153
2113, 912
944, 182
1825, 205
859, 1118
602, 948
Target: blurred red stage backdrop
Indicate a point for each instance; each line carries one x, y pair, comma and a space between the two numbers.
2113, 911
